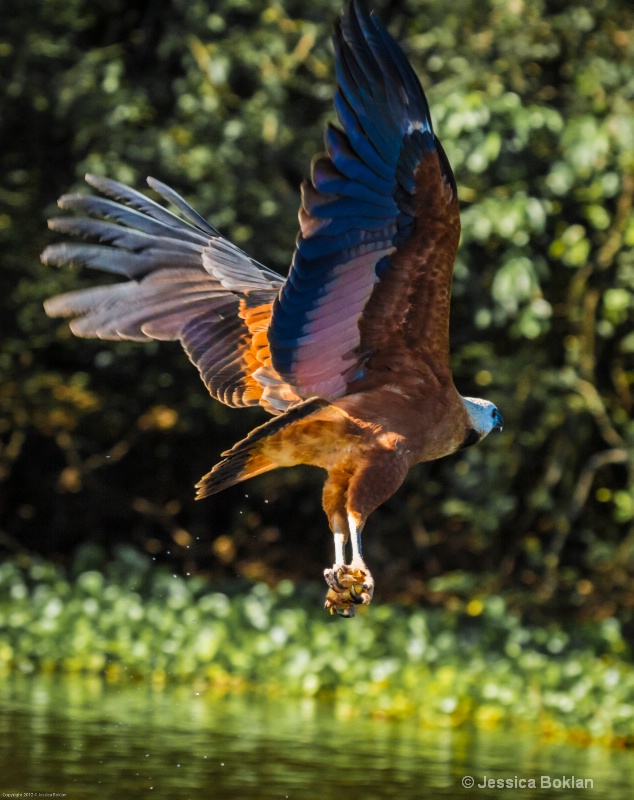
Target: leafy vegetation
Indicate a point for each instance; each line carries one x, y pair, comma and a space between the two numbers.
533, 101
480, 667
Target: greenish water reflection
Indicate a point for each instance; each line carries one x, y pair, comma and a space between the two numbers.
87, 739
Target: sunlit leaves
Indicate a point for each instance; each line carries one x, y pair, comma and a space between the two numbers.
572, 247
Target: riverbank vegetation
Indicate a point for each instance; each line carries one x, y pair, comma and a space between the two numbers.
477, 666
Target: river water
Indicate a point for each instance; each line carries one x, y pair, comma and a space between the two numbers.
83, 738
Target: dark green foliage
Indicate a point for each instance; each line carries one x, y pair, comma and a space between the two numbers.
226, 101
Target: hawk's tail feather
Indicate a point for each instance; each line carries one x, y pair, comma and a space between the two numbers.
244, 460
232, 470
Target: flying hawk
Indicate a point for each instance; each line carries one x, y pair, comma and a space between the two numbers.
350, 352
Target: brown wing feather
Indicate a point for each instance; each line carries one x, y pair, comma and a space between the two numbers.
408, 311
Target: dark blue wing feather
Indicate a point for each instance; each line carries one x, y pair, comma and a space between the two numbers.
356, 211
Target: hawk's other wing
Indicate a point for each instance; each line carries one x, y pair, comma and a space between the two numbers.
186, 282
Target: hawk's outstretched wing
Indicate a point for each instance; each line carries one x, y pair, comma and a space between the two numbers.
379, 227
187, 282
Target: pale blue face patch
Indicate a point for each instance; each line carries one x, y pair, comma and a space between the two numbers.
484, 415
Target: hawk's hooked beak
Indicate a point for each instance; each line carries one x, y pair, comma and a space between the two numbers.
498, 421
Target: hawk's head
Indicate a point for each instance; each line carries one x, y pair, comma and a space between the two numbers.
484, 417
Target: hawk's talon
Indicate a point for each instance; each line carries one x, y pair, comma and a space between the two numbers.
348, 586
331, 579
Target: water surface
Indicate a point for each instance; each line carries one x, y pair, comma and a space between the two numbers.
84, 738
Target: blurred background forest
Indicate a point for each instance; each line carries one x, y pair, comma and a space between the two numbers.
225, 100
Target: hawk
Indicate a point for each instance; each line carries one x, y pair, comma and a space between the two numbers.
349, 353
